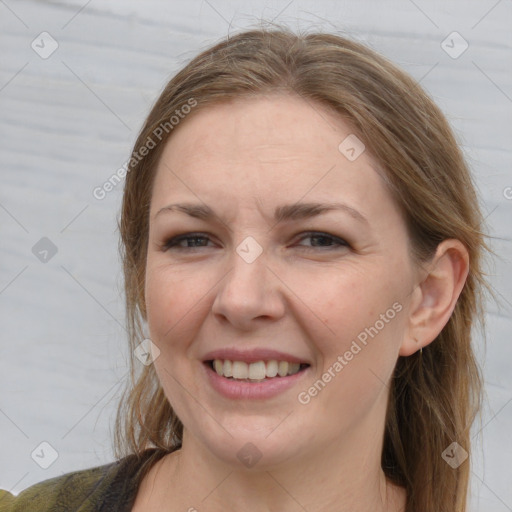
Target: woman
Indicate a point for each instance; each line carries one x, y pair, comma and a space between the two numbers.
278, 374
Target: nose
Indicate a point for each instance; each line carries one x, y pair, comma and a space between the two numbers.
249, 294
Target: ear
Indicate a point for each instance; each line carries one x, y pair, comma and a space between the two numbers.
435, 296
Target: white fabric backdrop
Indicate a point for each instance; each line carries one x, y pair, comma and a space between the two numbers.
67, 123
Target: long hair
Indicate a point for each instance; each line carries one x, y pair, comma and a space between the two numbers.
434, 396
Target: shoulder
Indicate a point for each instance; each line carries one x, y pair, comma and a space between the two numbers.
109, 487
72, 491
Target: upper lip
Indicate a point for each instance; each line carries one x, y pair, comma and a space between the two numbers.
252, 355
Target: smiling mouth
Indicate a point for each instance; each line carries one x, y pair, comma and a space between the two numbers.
255, 372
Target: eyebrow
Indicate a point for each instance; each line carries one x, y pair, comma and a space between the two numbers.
287, 212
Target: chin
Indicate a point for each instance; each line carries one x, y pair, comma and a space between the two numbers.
254, 454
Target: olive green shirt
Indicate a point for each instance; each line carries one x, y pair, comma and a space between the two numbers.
111, 487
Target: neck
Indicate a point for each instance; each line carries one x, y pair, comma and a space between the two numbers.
344, 476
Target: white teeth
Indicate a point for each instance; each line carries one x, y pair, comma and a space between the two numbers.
257, 371
254, 371
227, 369
283, 368
293, 368
217, 366
240, 370
272, 368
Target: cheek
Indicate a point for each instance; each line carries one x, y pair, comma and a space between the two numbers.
173, 304
358, 359
170, 298
361, 317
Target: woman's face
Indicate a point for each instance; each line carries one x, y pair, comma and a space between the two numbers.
325, 288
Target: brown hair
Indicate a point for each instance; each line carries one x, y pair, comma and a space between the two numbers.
434, 396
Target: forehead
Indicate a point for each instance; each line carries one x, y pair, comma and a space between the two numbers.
267, 149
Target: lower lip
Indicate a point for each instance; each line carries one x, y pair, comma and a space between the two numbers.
240, 390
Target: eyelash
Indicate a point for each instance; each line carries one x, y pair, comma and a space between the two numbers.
172, 243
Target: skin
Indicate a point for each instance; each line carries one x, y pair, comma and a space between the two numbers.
302, 295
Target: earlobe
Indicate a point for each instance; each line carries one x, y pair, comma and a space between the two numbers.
434, 298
